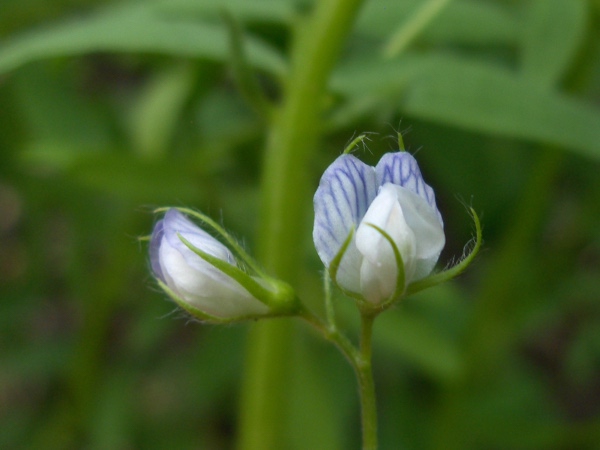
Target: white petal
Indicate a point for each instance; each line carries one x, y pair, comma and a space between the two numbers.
195, 280
379, 270
345, 192
175, 223
216, 294
423, 220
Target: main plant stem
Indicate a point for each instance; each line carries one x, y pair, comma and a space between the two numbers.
292, 141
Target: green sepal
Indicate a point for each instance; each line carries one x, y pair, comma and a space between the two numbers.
357, 140
401, 146
280, 298
454, 271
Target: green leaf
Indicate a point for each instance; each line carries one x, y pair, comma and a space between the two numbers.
413, 26
474, 96
461, 22
275, 11
155, 114
244, 76
132, 29
474, 22
551, 37
364, 77
491, 100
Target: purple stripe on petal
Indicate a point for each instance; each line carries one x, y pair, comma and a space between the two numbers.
402, 169
345, 192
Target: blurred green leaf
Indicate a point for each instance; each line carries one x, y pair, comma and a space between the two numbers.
476, 23
490, 100
278, 11
155, 115
412, 27
461, 22
54, 109
138, 28
475, 96
552, 34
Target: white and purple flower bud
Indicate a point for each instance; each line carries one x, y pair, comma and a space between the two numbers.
390, 211
196, 284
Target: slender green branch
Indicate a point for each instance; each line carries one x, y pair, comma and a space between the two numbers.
366, 386
329, 308
333, 335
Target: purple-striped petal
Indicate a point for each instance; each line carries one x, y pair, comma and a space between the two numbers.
402, 169
345, 192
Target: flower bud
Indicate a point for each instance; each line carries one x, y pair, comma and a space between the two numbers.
203, 277
390, 213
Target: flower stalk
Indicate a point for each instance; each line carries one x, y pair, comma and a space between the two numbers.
366, 386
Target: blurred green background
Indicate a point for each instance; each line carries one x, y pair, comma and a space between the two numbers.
110, 109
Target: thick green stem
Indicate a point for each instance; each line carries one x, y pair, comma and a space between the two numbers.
292, 141
366, 386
